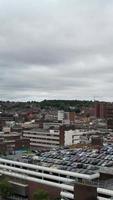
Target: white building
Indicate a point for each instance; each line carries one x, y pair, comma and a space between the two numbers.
60, 115
78, 136
72, 137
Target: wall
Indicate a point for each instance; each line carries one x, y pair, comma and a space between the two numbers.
84, 192
52, 191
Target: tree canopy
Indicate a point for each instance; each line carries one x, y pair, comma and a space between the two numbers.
65, 104
5, 188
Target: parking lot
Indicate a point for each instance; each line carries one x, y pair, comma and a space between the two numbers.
84, 161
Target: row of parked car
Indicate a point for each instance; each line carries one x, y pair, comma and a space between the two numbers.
85, 161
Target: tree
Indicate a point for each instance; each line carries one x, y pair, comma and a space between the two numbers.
40, 195
5, 189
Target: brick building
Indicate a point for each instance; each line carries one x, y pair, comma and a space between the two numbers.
13, 141
104, 110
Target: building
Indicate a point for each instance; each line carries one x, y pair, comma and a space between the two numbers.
100, 110
40, 138
47, 139
83, 137
60, 115
59, 183
104, 110
11, 141
66, 117
49, 125
65, 176
69, 118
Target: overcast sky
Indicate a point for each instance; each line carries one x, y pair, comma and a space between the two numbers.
56, 49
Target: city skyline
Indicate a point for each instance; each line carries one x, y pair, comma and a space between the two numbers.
54, 49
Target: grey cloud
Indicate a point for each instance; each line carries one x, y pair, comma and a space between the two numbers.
56, 49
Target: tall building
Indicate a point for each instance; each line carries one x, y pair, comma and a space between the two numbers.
104, 110
60, 115
72, 117
100, 110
